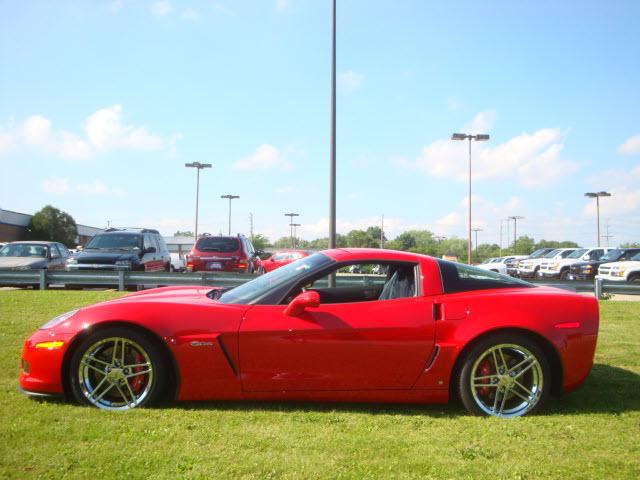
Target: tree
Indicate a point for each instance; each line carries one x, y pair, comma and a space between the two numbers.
361, 238
260, 242
524, 246
405, 241
53, 225
186, 233
630, 245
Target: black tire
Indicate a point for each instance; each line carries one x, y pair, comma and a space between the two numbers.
634, 277
564, 274
533, 376
139, 375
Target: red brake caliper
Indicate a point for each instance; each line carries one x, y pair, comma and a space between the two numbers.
137, 382
484, 370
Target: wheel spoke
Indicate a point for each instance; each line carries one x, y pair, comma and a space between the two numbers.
122, 353
137, 365
97, 360
485, 385
495, 360
104, 392
133, 395
504, 399
525, 369
124, 397
529, 393
135, 374
115, 350
530, 358
86, 363
504, 362
517, 394
495, 401
485, 377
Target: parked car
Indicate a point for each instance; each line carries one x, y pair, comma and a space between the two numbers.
123, 249
282, 258
530, 268
224, 254
428, 330
33, 255
513, 270
559, 267
500, 264
627, 271
178, 264
589, 269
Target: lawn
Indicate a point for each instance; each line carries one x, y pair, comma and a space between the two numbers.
592, 433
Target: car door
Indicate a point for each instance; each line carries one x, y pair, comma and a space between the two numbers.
376, 344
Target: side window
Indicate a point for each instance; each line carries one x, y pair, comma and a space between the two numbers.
162, 244
250, 251
54, 251
363, 282
63, 250
457, 277
148, 243
596, 254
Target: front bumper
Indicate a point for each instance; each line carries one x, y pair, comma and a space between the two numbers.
96, 266
581, 276
547, 274
41, 372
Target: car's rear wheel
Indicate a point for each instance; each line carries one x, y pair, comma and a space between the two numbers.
634, 277
505, 375
117, 369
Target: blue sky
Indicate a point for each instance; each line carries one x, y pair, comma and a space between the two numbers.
102, 103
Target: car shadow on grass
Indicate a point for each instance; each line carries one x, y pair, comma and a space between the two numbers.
609, 390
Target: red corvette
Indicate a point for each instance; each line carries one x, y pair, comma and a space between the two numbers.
282, 258
422, 330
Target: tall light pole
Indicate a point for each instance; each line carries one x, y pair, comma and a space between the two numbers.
515, 219
291, 215
597, 196
476, 230
332, 143
294, 237
230, 197
198, 166
478, 138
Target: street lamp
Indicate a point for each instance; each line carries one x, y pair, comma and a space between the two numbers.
198, 166
477, 138
597, 196
476, 230
230, 197
291, 215
515, 219
332, 141
294, 237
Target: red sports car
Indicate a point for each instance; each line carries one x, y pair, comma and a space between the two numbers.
422, 331
282, 258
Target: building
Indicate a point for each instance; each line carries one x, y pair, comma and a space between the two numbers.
13, 226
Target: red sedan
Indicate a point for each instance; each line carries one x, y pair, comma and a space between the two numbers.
422, 330
282, 258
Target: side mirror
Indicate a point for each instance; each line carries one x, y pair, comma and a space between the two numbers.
79, 248
150, 250
309, 299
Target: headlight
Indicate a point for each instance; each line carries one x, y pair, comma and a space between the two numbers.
587, 269
72, 261
618, 273
555, 266
58, 320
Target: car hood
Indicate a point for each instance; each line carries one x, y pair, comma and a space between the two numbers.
15, 262
628, 263
104, 256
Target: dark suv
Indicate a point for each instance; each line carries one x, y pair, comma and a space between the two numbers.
224, 254
123, 249
588, 270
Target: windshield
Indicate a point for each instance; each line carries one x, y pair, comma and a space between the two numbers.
24, 250
552, 253
539, 253
114, 241
612, 255
635, 257
578, 253
218, 244
261, 286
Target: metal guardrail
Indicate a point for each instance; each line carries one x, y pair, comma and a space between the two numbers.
122, 279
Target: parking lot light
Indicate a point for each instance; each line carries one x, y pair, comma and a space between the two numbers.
597, 196
198, 166
291, 215
515, 219
230, 197
481, 137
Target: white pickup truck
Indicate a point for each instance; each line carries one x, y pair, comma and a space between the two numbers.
530, 267
500, 264
628, 271
560, 267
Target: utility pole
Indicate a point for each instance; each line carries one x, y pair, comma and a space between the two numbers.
251, 226
295, 234
230, 197
382, 232
198, 166
291, 215
515, 219
476, 230
597, 196
607, 236
332, 142
501, 236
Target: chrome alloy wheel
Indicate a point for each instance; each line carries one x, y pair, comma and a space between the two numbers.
115, 374
506, 381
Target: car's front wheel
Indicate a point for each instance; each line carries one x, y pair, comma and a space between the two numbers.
504, 375
117, 369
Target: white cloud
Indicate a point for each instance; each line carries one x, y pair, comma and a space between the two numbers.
115, 5
350, 80
161, 8
266, 157
55, 185
104, 130
191, 14
534, 159
631, 146
285, 189
98, 187
282, 5
625, 194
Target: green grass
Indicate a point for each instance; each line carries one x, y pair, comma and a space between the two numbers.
592, 433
